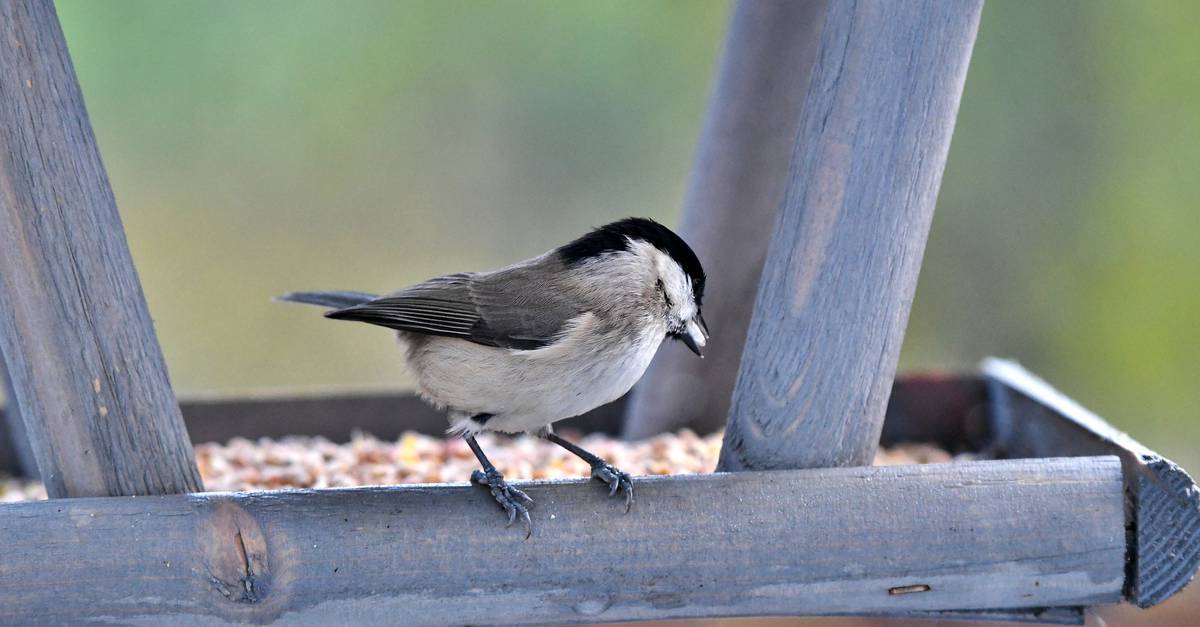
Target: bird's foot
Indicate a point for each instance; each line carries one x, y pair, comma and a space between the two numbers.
616, 480
515, 502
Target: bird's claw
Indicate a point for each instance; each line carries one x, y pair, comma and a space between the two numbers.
515, 502
616, 479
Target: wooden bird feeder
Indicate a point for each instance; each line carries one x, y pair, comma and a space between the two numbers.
1062, 513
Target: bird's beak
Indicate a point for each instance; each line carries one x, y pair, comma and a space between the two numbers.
695, 336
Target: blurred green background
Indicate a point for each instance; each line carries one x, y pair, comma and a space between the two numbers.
259, 148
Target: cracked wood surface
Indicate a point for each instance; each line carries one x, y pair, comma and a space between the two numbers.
842, 265
1010, 534
75, 332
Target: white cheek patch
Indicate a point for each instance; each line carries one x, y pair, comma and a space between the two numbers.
677, 284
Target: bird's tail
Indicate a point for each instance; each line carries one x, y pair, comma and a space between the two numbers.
336, 300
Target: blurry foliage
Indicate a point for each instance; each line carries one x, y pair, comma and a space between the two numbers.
258, 148
1067, 233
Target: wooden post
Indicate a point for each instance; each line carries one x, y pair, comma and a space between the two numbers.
843, 262
87, 371
736, 186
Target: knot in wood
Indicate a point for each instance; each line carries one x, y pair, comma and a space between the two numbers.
235, 554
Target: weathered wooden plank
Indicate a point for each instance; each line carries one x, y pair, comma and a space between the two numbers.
87, 371
843, 262
736, 185
1031, 418
827, 541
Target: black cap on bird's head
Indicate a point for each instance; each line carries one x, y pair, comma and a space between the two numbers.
616, 236
620, 236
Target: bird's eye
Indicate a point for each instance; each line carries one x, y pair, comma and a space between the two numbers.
662, 289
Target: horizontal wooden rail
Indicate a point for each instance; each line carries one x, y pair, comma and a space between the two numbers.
1008, 534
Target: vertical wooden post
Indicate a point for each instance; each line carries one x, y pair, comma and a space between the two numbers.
843, 262
87, 370
736, 186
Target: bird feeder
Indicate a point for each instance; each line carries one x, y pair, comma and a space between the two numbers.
1060, 511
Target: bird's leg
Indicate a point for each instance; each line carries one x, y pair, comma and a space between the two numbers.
514, 501
602, 470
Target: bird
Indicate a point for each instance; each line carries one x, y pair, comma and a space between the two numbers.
515, 349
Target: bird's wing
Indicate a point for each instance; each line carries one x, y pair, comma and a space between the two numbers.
507, 308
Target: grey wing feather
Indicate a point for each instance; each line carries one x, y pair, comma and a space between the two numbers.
509, 308
521, 307
328, 299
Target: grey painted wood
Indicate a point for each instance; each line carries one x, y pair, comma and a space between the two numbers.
1001, 535
1032, 418
14, 443
842, 265
87, 371
736, 185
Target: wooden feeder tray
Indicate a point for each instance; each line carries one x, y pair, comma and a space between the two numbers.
1071, 513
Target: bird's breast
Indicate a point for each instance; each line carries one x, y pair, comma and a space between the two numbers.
589, 366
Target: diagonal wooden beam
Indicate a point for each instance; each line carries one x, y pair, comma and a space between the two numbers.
842, 265
87, 370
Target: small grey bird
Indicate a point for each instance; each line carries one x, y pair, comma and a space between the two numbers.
516, 349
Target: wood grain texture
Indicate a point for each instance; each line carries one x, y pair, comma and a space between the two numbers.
736, 185
80, 346
842, 265
1033, 418
1000, 535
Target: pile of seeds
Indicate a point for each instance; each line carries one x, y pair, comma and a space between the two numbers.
314, 462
